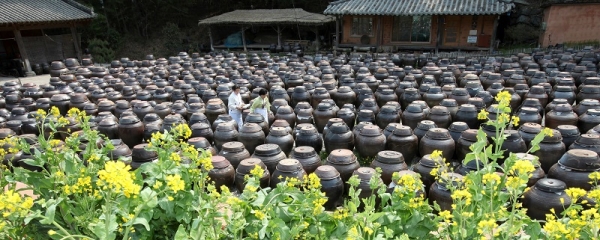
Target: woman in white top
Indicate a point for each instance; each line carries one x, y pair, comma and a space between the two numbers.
236, 105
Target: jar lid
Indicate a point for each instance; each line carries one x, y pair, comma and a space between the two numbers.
550, 185
14, 123
568, 130
403, 131
248, 164
141, 104
593, 112
447, 179
390, 157
255, 118
529, 110
107, 122
555, 138
370, 130
458, 126
414, 108
280, 123
449, 102
232, 147
327, 172
588, 139
307, 129
128, 120
438, 134
563, 108
530, 127
469, 135
341, 157
223, 127
268, 149
439, 110
250, 128
303, 152
529, 157
106, 103
220, 162
200, 126
426, 125
460, 92
289, 165
427, 161
199, 142
364, 173
278, 131
467, 108
580, 160
140, 153
339, 128
60, 98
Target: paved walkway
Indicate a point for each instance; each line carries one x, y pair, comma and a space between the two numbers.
40, 79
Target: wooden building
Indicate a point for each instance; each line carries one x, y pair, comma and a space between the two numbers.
418, 24
40, 31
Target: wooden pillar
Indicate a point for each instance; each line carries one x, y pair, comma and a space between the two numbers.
244, 39
379, 33
76, 42
317, 39
23, 52
493, 40
210, 38
279, 36
440, 27
337, 35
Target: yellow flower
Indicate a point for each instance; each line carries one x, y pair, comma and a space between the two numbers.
314, 182
54, 111
340, 214
353, 233
175, 157
522, 167
51, 232
259, 214
595, 176
41, 113
491, 178
13, 204
73, 112
575, 193
157, 185
175, 183
436, 154
487, 226
63, 121
116, 177
515, 120
503, 98
483, 114
368, 230
447, 215
183, 130
594, 194
555, 229
169, 198
515, 182
548, 132
462, 194
257, 171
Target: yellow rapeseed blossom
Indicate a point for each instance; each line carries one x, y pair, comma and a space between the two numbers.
175, 183
116, 177
73, 112
183, 130
340, 214
462, 194
13, 204
54, 111
483, 114
257, 171
522, 167
487, 226
555, 229
595, 176
436, 154
175, 157
51, 232
157, 185
515, 120
503, 98
575, 193
491, 178
314, 182
318, 205
63, 121
446, 215
368, 230
353, 233
515, 182
259, 214
548, 132
594, 194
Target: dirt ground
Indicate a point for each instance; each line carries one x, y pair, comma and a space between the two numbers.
40, 79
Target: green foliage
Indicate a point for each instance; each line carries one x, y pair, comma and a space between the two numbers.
173, 43
101, 50
522, 33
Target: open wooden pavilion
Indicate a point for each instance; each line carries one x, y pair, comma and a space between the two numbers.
40, 31
277, 18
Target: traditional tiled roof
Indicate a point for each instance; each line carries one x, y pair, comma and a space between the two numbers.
42, 11
419, 7
269, 17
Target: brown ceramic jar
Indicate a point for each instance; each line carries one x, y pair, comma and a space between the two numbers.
244, 169
389, 162
307, 156
344, 162
287, 168
370, 141
131, 130
270, 154
331, 184
574, 168
222, 173
546, 195
437, 139
234, 152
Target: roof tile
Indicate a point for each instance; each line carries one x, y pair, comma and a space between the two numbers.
37, 11
418, 7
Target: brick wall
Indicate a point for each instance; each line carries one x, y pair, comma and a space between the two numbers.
571, 23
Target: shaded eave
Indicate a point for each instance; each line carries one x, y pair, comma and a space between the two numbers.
26, 16
419, 7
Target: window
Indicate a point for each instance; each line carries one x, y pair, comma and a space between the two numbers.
411, 29
362, 26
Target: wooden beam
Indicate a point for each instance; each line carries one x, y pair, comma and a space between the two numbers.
23, 52
76, 42
210, 38
440, 26
337, 31
493, 40
244, 39
279, 36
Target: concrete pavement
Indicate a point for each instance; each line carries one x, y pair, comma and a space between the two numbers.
38, 80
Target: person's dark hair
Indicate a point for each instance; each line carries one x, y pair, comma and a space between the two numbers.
235, 87
262, 92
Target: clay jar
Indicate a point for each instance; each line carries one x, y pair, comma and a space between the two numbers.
456, 128
439, 191
307, 156
286, 113
569, 134
344, 162
270, 154
339, 136
131, 130
60, 101
468, 113
389, 162
388, 114
234, 152
365, 175
589, 120
222, 173
441, 116
244, 169
412, 116
348, 116
437, 139
370, 141
251, 135
202, 130
214, 108
403, 140
468, 138
588, 142
528, 131
551, 150
538, 173
561, 115
307, 135
202, 144
323, 113
225, 133
109, 127
120, 150
141, 155
281, 137
331, 184
142, 108
286, 169
546, 195
574, 168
